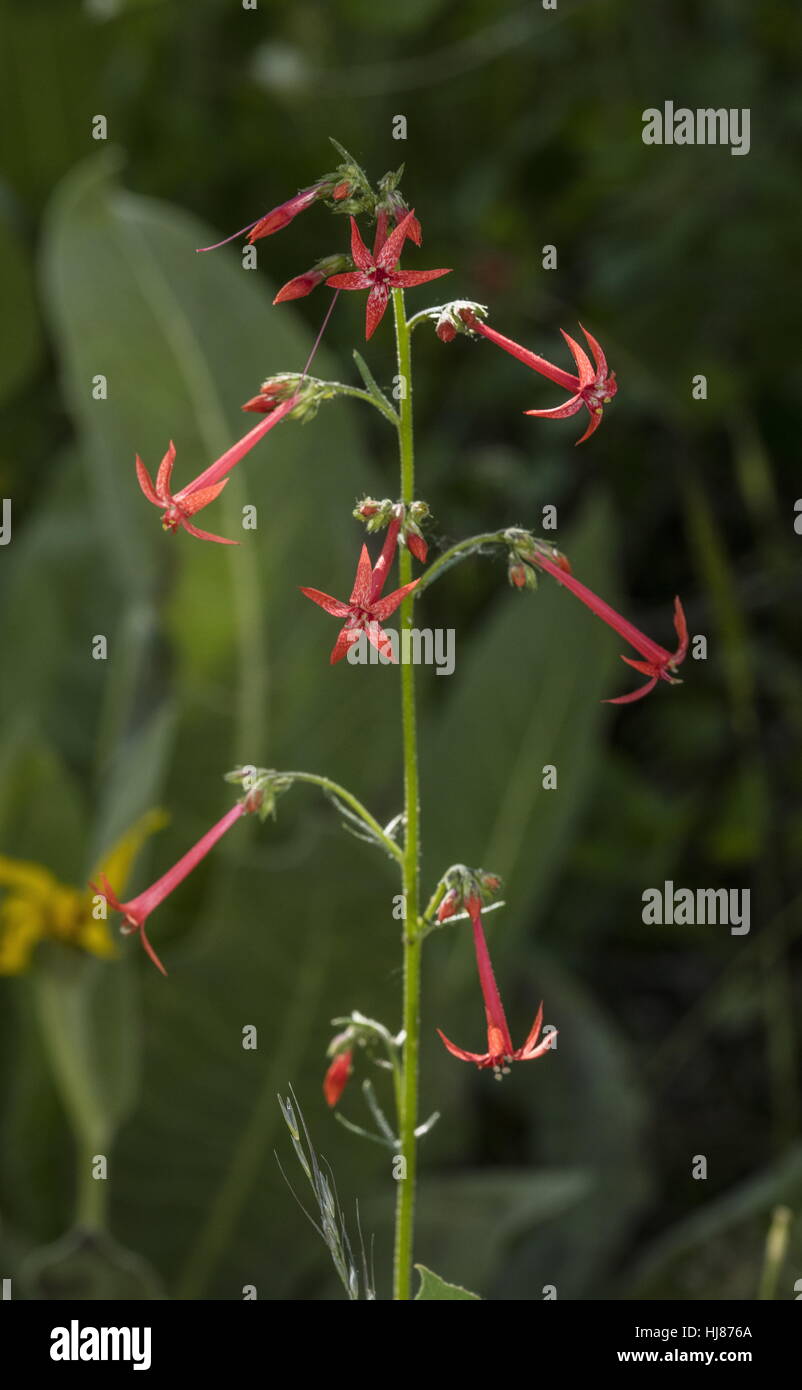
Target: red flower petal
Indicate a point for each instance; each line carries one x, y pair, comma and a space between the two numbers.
378, 638
534, 1032
405, 279
595, 421
165, 473
350, 280
359, 251
374, 310
634, 695
383, 607
345, 639
481, 1059
206, 535
394, 244
559, 412
145, 482
331, 605
360, 594
681, 629
586, 372
598, 355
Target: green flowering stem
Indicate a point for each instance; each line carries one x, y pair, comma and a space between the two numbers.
461, 551
339, 388
342, 794
408, 1115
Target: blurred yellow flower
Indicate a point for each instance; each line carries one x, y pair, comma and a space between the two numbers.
36, 906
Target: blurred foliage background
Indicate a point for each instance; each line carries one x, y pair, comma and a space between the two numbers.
524, 129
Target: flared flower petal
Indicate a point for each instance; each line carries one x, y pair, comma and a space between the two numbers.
360, 594
146, 483
325, 601
383, 607
375, 309
407, 279
206, 535
559, 412
480, 1059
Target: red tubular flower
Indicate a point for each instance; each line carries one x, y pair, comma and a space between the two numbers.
336, 1078
180, 506
500, 1051
592, 387
300, 286
658, 664
376, 272
304, 284
366, 611
137, 910
279, 217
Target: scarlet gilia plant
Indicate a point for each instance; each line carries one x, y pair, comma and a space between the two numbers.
364, 1051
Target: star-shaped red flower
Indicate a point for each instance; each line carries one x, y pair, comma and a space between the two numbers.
376, 273
366, 611
178, 507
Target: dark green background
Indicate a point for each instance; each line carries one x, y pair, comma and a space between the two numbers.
524, 130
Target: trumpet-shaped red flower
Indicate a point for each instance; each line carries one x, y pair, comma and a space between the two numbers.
177, 508
336, 1078
500, 1051
658, 664
366, 610
376, 273
286, 212
593, 387
137, 910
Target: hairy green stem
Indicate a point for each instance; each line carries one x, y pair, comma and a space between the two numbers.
457, 552
408, 1116
356, 806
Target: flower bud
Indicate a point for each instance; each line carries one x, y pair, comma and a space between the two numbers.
376, 514
473, 905
445, 329
300, 286
415, 542
448, 906
336, 1078
521, 575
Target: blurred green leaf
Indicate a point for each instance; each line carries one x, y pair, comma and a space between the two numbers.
21, 345
86, 1265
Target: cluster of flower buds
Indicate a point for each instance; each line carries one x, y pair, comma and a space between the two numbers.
307, 393
391, 203
523, 551
261, 788
454, 317
378, 514
467, 890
